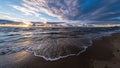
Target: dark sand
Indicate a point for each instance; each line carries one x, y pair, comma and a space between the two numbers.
104, 53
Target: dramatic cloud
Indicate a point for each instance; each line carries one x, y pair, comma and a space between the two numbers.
63, 9
100, 10
71, 10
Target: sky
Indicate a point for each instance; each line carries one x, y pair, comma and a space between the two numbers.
61, 10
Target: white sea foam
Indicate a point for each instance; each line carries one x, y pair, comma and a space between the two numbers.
60, 57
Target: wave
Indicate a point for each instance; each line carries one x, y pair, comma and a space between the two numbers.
11, 50
54, 45
55, 49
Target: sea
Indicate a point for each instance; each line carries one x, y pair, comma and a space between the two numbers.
51, 43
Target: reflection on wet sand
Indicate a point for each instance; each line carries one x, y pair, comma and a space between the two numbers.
18, 57
14, 60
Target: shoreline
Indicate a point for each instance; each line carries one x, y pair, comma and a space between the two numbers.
104, 53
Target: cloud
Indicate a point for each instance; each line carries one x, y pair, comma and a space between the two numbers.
75, 10
10, 18
57, 8
100, 10
26, 11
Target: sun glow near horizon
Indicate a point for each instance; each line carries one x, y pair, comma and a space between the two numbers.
27, 23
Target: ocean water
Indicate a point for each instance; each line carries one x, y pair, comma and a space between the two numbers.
50, 43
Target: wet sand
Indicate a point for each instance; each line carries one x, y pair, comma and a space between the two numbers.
104, 53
